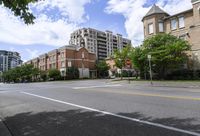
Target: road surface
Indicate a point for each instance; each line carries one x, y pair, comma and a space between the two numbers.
99, 108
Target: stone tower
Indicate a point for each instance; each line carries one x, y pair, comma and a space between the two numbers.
196, 12
153, 21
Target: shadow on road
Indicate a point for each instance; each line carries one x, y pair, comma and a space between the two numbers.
190, 124
84, 123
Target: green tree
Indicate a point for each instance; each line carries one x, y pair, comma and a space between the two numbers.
54, 74
20, 8
121, 56
23, 73
43, 75
7, 76
35, 73
139, 60
167, 52
12, 75
26, 72
102, 68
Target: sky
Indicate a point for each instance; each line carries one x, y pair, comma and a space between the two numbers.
57, 19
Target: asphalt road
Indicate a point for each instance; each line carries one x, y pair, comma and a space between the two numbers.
99, 108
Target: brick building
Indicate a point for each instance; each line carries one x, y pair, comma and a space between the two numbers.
65, 57
114, 69
185, 25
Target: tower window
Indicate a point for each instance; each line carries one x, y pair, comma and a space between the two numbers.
173, 24
161, 26
181, 22
150, 28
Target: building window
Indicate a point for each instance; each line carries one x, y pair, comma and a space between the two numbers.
150, 28
62, 64
69, 63
53, 65
181, 22
83, 55
62, 55
173, 24
161, 26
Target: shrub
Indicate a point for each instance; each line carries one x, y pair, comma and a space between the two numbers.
183, 74
72, 73
54, 74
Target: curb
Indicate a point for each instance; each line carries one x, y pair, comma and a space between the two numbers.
195, 87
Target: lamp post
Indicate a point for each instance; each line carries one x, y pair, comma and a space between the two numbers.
150, 72
128, 65
69, 64
121, 68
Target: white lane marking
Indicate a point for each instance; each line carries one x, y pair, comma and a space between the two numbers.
85, 87
116, 115
13, 91
8, 91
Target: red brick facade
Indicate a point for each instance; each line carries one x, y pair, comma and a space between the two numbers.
67, 56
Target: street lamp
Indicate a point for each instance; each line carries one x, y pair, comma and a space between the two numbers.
121, 68
150, 72
69, 64
128, 65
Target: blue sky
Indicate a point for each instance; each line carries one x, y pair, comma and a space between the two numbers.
99, 19
56, 19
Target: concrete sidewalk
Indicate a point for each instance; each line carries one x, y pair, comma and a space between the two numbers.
3, 129
176, 84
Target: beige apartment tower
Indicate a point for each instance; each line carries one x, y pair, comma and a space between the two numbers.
101, 43
185, 25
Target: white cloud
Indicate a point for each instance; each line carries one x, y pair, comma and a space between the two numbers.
47, 29
134, 10
73, 9
33, 53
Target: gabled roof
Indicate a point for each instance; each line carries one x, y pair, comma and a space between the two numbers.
194, 1
155, 10
183, 12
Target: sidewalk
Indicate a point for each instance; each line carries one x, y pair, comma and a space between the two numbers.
178, 84
3, 129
